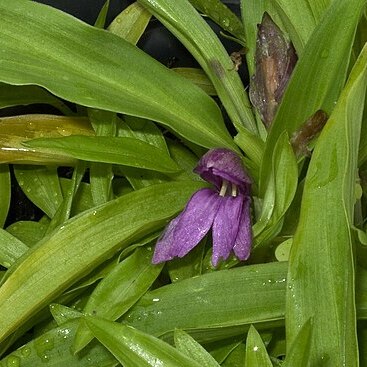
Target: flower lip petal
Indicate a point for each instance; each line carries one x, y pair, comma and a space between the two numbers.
221, 163
162, 248
242, 245
225, 227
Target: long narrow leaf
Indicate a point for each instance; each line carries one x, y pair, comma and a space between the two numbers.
125, 151
186, 24
134, 348
301, 18
13, 95
54, 349
216, 305
41, 185
321, 265
95, 68
119, 290
189, 346
10, 249
318, 77
80, 244
256, 354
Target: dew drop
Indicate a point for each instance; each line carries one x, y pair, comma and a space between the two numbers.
13, 361
43, 346
225, 22
25, 351
45, 358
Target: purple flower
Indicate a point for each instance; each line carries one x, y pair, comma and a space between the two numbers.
225, 209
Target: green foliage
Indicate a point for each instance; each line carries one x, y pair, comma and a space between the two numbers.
330, 185
77, 283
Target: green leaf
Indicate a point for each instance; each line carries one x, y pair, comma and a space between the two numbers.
198, 77
54, 349
119, 290
299, 351
222, 15
223, 304
222, 349
94, 68
41, 185
252, 13
28, 232
15, 129
237, 357
146, 131
189, 266
5, 193
321, 71
130, 23
11, 248
134, 348
301, 18
142, 129
279, 193
125, 151
14, 95
79, 245
188, 346
64, 210
100, 174
188, 26
185, 158
252, 145
321, 259
216, 305
92, 278
42, 125
256, 354
63, 314
101, 19
82, 199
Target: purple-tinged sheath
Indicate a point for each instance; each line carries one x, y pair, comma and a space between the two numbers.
225, 210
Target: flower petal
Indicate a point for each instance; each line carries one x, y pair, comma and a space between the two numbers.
163, 245
225, 227
242, 246
185, 231
220, 163
195, 221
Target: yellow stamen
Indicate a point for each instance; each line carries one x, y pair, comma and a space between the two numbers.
223, 189
234, 190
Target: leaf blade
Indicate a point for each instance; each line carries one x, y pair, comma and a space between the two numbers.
80, 244
86, 72
322, 246
118, 150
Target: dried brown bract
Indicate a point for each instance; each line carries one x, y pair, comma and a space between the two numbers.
275, 59
307, 132
236, 58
